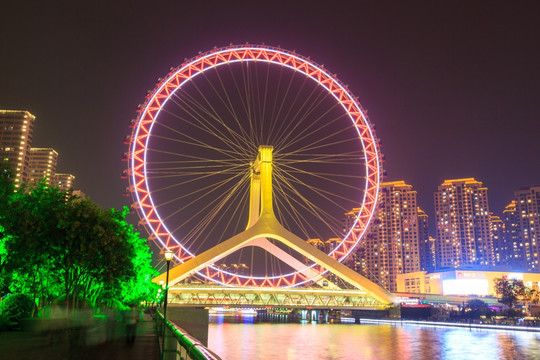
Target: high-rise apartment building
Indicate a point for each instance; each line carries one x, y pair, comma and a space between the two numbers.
463, 224
500, 248
527, 201
514, 257
426, 244
16, 130
42, 164
391, 245
63, 181
349, 219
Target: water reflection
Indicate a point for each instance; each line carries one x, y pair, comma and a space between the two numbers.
244, 338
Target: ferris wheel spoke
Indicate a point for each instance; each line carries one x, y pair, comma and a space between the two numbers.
307, 132
315, 145
298, 121
212, 188
201, 122
229, 165
262, 114
350, 158
308, 205
241, 97
206, 190
230, 106
325, 194
313, 123
194, 159
221, 206
340, 183
169, 174
211, 222
226, 101
198, 144
283, 129
215, 115
247, 96
196, 170
276, 116
290, 204
287, 208
216, 200
176, 184
321, 175
272, 120
328, 196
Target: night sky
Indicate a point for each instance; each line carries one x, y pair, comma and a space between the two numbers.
452, 86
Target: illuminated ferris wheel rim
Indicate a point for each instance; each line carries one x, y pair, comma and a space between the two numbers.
249, 53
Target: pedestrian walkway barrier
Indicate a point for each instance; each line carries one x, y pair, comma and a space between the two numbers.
179, 345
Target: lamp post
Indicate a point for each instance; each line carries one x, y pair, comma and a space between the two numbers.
168, 258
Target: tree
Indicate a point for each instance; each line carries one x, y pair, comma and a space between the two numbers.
29, 218
57, 246
509, 291
474, 308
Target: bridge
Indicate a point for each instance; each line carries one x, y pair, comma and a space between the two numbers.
295, 298
262, 225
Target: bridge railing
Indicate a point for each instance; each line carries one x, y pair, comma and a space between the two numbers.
179, 345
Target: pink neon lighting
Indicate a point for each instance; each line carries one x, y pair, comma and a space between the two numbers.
149, 112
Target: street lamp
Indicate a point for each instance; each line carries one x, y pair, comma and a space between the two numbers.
168, 258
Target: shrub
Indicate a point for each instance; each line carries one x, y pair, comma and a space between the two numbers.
16, 307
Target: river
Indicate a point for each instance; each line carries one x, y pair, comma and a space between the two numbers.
244, 338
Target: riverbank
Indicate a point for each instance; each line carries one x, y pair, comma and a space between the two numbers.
452, 324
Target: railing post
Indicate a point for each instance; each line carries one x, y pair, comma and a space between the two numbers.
171, 346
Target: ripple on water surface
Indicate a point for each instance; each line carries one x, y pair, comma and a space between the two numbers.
265, 341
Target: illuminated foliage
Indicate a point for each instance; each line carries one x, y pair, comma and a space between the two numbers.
16, 307
65, 249
509, 291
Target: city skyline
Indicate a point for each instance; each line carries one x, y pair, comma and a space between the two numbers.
451, 89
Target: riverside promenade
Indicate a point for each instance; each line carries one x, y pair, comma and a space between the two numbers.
91, 344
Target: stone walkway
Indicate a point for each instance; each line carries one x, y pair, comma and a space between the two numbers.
92, 345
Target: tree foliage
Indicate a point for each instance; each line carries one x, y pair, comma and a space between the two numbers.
16, 307
510, 291
475, 308
56, 247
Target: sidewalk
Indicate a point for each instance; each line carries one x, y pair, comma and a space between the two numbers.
92, 345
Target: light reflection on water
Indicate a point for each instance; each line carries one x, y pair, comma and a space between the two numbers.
247, 339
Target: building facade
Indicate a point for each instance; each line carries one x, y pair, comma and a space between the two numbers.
425, 242
391, 245
42, 165
500, 248
514, 257
461, 281
63, 181
16, 131
463, 224
527, 206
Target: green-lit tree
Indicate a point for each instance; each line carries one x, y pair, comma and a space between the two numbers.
30, 219
139, 287
54, 246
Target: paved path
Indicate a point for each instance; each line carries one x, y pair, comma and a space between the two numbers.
21, 345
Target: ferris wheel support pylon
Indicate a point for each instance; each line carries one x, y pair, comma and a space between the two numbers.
267, 226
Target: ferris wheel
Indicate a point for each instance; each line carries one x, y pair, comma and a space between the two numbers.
201, 141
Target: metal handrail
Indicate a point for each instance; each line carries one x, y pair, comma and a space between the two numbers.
193, 348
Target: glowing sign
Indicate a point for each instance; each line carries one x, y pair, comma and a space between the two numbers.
515, 276
465, 287
470, 275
